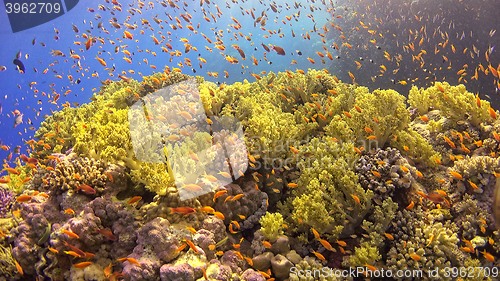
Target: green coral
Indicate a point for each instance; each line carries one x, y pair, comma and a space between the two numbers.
101, 129
383, 111
425, 242
365, 254
7, 263
413, 144
328, 190
271, 225
454, 102
368, 253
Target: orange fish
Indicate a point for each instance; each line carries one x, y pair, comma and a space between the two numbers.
219, 215
192, 187
73, 253
326, 245
219, 193
488, 256
456, 175
266, 244
415, 257
133, 261
70, 234
24, 198
82, 264
207, 209
107, 234
493, 113
85, 188
182, 210
134, 200
128, 35
318, 255
191, 245
449, 142
410, 206
19, 268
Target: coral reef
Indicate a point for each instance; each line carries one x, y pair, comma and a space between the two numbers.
295, 172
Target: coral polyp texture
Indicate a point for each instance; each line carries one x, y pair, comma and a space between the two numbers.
311, 173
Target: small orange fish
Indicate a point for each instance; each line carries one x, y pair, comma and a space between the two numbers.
207, 209
134, 200
55, 251
192, 187
237, 196
182, 247
410, 206
108, 270
182, 210
80, 252
449, 142
224, 174
294, 150
341, 243
316, 234
424, 118
326, 245
133, 261
219, 193
24, 198
473, 185
266, 244
70, 233
19, 268
318, 255
493, 113
219, 215
86, 189
456, 175
82, 264
110, 177
107, 234
191, 245
415, 257
496, 136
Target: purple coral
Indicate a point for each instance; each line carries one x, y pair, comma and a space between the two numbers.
6, 200
181, 272
156, 240
387, 163
253, 204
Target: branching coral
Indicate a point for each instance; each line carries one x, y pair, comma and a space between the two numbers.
416, 146
424, 241
453, 101
375, 226
326, 183
271, 225
71, 172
